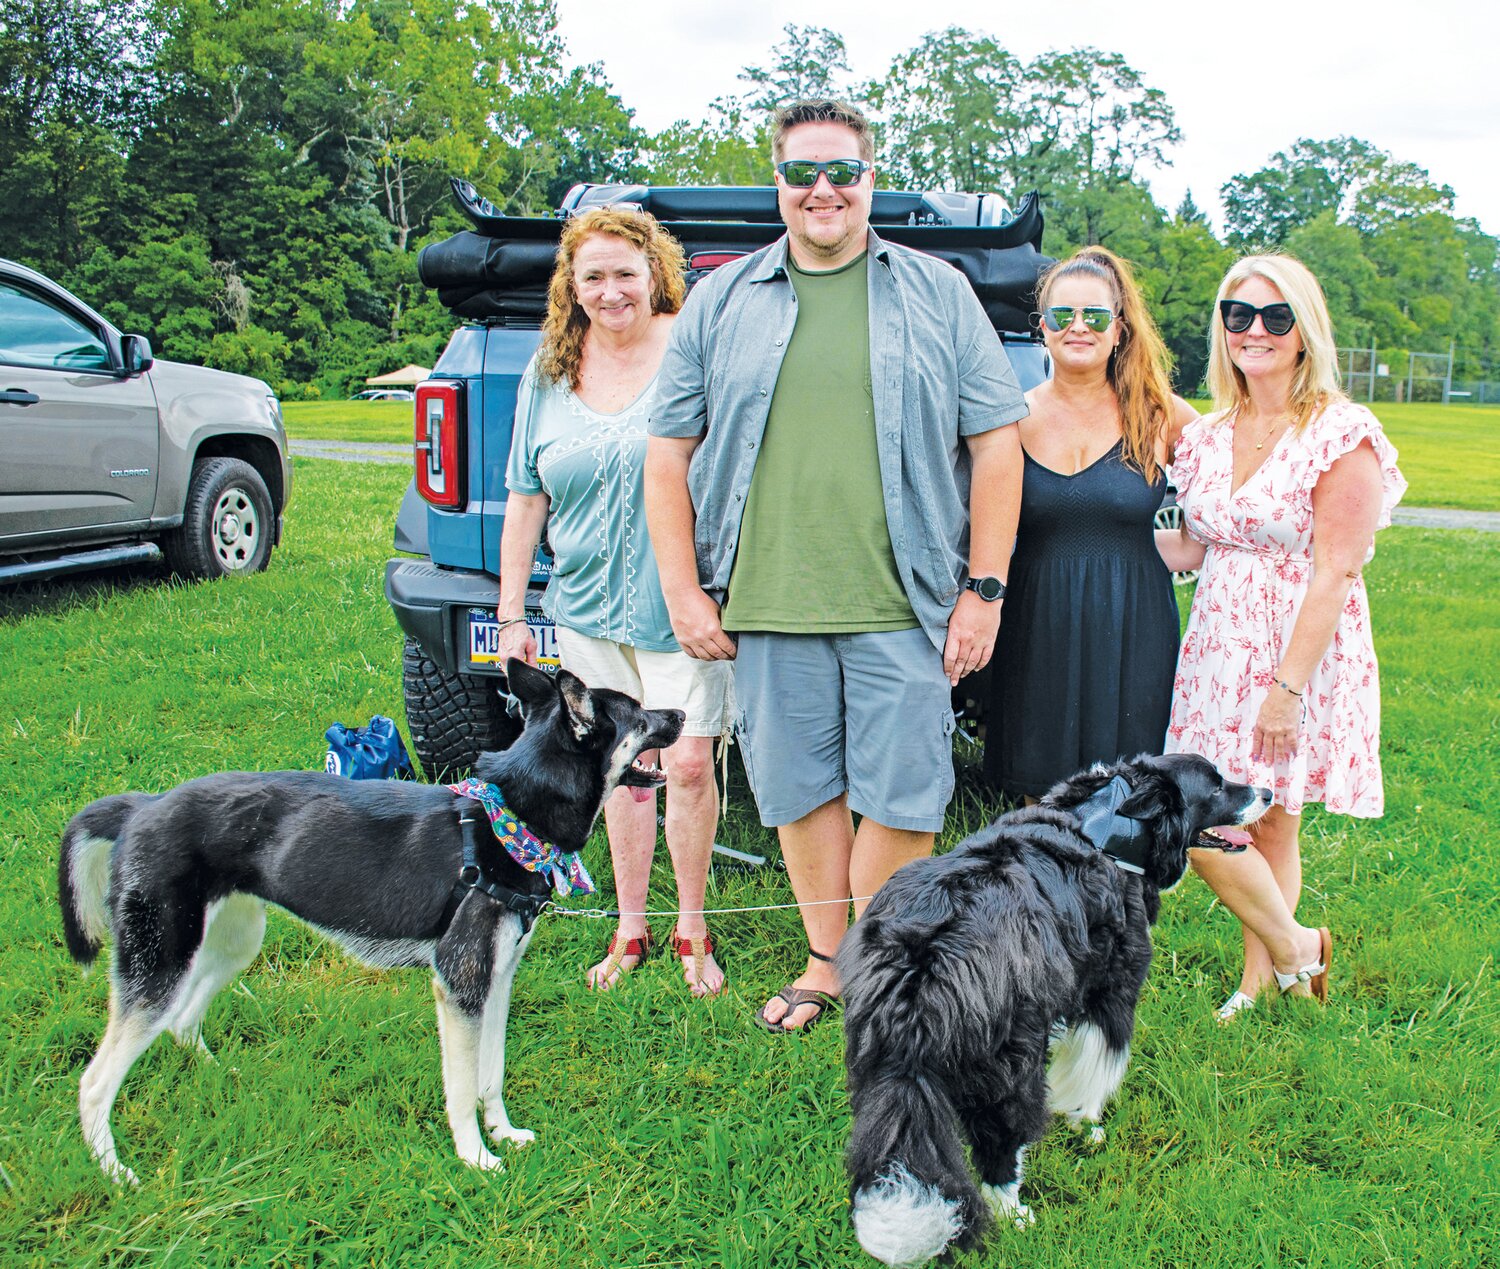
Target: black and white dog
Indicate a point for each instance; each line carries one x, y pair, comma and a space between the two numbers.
1031, 936
387, 869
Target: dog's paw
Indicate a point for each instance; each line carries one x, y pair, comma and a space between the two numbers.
484, 1161
517, 1137
119, 1174
1088, 1133
1005, 1202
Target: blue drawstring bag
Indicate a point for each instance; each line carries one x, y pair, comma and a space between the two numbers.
373, 752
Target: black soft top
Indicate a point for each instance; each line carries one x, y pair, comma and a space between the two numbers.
498, 271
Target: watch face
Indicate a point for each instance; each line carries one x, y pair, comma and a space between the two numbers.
988, 588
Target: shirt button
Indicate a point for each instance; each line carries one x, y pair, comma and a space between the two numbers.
749, 444
778, 343
763, 392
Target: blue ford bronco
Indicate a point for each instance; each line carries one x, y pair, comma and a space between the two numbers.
444, 584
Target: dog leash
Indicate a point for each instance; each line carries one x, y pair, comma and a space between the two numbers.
596, 914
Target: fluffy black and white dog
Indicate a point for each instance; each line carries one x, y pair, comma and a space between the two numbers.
179, 882
1031, 936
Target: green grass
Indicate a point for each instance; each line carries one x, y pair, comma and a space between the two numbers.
387, 421
671, 1131
1450, 454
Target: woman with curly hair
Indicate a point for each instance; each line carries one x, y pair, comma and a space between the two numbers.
575, 467
1082, 671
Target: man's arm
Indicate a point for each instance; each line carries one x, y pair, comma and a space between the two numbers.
994, 510
671, 520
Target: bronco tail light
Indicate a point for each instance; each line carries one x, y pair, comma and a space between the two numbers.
705, 261
440, 477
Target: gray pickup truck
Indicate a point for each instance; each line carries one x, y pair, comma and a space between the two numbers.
113, 457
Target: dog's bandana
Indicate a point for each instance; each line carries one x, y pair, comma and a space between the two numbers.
1111, 833
564, 869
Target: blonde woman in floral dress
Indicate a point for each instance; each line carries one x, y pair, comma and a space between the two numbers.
1282, 488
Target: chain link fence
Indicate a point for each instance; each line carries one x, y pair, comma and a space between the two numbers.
1425, 377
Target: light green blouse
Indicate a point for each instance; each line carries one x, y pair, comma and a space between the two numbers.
591, 467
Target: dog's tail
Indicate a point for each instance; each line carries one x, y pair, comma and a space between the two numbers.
909, 1180
83, 871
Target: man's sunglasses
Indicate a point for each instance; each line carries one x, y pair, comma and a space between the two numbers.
804, 173
1238, 316
1062, 317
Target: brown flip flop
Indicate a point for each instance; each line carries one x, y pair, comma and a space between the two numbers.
796, 997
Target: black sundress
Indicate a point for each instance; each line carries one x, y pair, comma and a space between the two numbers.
1083, 667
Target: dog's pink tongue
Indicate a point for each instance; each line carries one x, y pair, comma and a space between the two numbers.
1235, 836
641, 795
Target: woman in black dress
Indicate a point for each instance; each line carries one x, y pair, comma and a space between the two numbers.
1083, 667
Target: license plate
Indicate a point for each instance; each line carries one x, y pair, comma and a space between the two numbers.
484, 637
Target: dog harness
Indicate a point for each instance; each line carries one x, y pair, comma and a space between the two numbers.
1121, 838
564, 869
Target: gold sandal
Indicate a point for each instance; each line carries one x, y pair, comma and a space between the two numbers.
612, 968
693, 951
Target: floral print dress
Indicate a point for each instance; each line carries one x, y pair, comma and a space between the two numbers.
1254, 578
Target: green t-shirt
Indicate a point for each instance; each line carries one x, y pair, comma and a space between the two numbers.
814, 552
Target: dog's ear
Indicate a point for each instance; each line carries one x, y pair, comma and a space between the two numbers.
578, 702
528, 684
1150, 797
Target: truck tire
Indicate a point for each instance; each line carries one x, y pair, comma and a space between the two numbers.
227, 523
451, 718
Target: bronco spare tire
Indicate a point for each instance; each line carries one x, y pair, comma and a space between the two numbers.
452, 718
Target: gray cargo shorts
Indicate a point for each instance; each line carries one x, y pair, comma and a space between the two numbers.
869, 714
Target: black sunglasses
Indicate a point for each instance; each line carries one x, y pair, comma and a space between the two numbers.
1062, 317
1237, 315
804, 173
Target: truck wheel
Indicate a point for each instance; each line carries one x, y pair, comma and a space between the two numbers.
452, 718
226, 524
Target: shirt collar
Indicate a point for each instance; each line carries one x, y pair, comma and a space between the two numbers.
774, 265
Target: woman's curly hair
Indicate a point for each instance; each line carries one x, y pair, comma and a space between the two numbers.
563, 329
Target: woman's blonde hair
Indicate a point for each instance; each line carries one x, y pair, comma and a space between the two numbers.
1140, 367
563, 329
1316, 381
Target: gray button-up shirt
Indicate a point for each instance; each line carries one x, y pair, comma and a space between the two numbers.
938, 372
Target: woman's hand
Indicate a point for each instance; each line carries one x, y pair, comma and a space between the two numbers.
516, 640
695, 622
1277, 726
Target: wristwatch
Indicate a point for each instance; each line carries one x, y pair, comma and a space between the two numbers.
988, 589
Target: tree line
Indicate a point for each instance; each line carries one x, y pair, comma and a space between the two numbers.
249, 182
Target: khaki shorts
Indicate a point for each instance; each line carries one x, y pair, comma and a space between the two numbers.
703, 690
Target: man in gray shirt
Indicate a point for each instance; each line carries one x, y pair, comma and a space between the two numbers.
832, 493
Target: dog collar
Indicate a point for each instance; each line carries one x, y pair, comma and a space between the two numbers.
1121, 838
564, 869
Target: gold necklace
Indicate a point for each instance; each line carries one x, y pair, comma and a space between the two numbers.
1278, 421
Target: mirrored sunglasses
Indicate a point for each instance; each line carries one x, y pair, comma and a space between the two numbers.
1238, 316
804, 173
1062, 316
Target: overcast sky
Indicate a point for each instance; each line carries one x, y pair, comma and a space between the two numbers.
1420, 80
